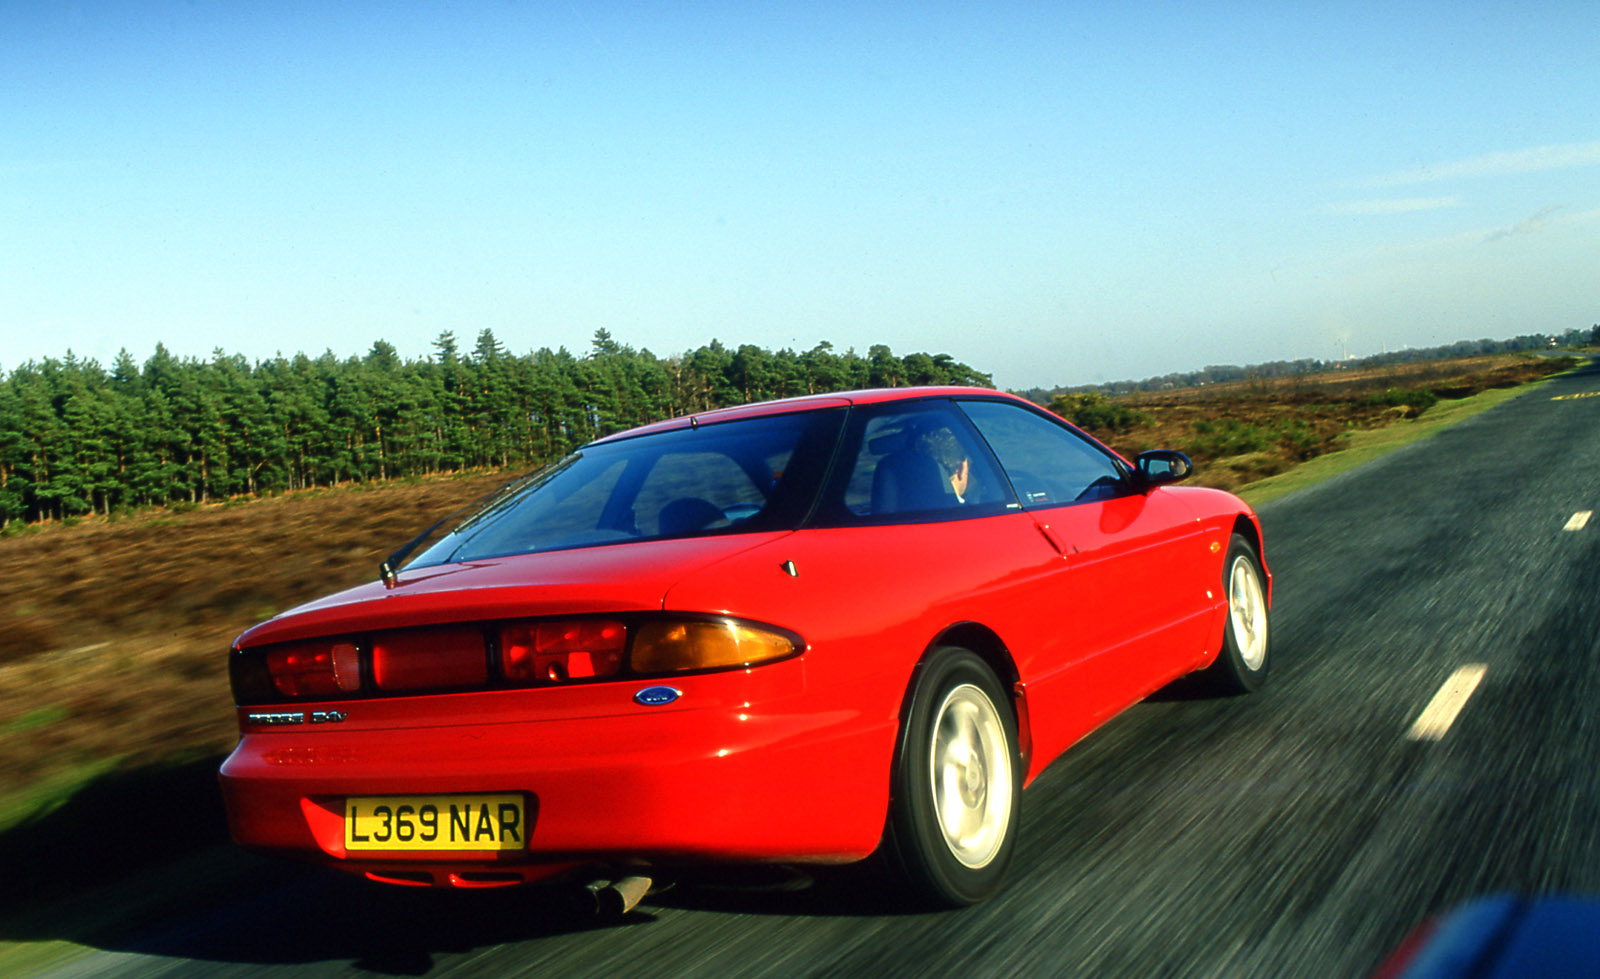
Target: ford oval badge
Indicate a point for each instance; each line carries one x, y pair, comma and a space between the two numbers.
656, 696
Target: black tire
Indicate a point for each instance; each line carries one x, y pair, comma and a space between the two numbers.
951, 835
1243, 664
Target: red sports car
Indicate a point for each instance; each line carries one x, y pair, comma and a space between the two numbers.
800, 632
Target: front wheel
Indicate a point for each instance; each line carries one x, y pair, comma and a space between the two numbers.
957, 783
1241, 667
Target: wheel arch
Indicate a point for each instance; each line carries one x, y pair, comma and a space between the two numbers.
989, 647
1245, 526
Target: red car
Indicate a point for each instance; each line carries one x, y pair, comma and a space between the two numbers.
800, 632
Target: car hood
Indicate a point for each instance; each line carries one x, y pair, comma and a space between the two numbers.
626, 577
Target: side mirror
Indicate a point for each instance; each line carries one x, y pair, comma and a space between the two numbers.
1162, 466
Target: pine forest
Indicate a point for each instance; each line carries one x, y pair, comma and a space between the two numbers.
76, 438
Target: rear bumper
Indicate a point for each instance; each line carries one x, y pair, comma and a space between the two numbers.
744, 766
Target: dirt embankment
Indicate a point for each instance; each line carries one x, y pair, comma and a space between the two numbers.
113, 634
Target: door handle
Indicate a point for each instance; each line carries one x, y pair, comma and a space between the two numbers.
1055, 541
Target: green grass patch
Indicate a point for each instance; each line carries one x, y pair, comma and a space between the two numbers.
35, 719
1416, 399
34, 958
1222, 438
1357, 448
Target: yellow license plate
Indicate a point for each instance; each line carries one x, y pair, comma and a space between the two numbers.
435, 822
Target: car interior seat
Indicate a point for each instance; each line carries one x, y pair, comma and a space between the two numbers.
686, 515
908, 480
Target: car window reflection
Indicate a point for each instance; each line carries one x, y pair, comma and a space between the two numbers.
715, 478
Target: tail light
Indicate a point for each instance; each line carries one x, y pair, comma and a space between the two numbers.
552, 652
429, 659
528, 653
315, 669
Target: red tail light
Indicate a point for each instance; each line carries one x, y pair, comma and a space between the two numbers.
429, 659
315, 669
530, 653
552, 652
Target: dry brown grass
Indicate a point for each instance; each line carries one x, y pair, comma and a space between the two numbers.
1283, 421
1463, 375
113, 634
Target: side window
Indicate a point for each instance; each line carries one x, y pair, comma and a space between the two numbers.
1048, 464
919, 462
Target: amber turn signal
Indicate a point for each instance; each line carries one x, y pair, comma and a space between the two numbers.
677, 646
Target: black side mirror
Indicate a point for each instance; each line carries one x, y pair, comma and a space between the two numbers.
1162, 466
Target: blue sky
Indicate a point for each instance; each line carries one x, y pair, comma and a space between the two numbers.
1054, 192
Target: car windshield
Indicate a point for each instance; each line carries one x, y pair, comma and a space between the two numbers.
754, 474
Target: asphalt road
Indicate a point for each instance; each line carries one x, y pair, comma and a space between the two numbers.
1296, 832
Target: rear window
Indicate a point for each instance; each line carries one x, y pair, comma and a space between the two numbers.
756, 474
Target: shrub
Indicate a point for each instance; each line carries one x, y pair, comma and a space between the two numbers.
1092, 411
1416, 399
1227, 437
1298, 440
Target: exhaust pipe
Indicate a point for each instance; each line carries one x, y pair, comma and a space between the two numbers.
624, 895
612, 898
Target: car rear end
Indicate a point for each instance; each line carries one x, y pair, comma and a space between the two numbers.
503, 752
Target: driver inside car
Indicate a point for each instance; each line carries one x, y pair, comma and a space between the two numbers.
944, 448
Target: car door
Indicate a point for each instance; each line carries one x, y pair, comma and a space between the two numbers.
918, 532
1131, 568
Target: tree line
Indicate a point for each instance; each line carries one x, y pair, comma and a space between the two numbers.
76, 438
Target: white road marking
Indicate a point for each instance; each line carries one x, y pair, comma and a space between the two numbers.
1577, 520
1447, 703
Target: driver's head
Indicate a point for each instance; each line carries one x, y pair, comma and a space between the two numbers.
941, 445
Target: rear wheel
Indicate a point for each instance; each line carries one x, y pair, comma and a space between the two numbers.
1241, 667
957, 783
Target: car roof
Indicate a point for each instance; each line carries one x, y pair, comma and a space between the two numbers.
809, 402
